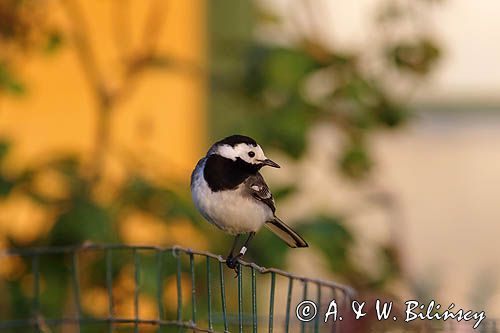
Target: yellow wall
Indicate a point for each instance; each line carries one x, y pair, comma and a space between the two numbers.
162, 121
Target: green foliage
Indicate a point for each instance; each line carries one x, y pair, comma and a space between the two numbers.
83, 221
9, 82
276, 71
331, 236
277, 92
4, 149
414, 56
267, 250
18, 301
6, 184
163, 202
284, 192
355, 162
293, 123
24, 29
257, 88
266, 94
54, 41
391, 266
80, 217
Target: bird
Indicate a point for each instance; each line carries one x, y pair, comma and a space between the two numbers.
230, 192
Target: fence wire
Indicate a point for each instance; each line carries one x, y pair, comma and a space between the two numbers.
174, 289
192, 291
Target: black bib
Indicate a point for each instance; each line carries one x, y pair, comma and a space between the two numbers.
222, 173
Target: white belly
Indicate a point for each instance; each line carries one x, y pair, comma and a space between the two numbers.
228, 210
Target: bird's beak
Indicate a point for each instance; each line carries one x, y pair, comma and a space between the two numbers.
270, 163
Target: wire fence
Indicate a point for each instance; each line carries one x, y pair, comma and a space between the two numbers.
154, 289
119, 288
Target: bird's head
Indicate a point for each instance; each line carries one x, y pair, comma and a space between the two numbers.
244, 148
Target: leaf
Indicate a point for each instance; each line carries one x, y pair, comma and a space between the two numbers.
286, 127
286, 68
162, 202
69, 168
9, 82
283, 192
329, 235
355, 161
4, 148
6, 186
54, 41
266, 249
84, 221
278, 70
390, 266
416, 56
390, 114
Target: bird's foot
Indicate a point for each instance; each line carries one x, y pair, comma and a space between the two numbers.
232, 262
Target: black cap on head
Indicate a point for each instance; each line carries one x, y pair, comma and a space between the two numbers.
233, 140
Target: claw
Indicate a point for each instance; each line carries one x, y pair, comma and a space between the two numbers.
232, 262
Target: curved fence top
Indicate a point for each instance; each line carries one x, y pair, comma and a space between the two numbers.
187, 290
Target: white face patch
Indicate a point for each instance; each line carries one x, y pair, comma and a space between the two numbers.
248, 153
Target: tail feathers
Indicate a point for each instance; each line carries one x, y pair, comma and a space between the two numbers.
280, 229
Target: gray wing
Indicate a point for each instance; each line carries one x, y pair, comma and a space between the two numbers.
256, 186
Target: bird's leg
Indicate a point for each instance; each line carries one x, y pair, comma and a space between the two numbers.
244, 247
234, 260
230, 260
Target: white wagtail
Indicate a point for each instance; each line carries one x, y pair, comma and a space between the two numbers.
229, 192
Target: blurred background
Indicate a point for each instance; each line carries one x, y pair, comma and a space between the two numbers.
382, 113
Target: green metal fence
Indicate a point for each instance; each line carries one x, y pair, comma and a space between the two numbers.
205, 295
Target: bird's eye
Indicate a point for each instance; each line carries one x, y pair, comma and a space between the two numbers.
251, 154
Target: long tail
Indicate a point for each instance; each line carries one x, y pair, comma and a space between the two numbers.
280, 229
